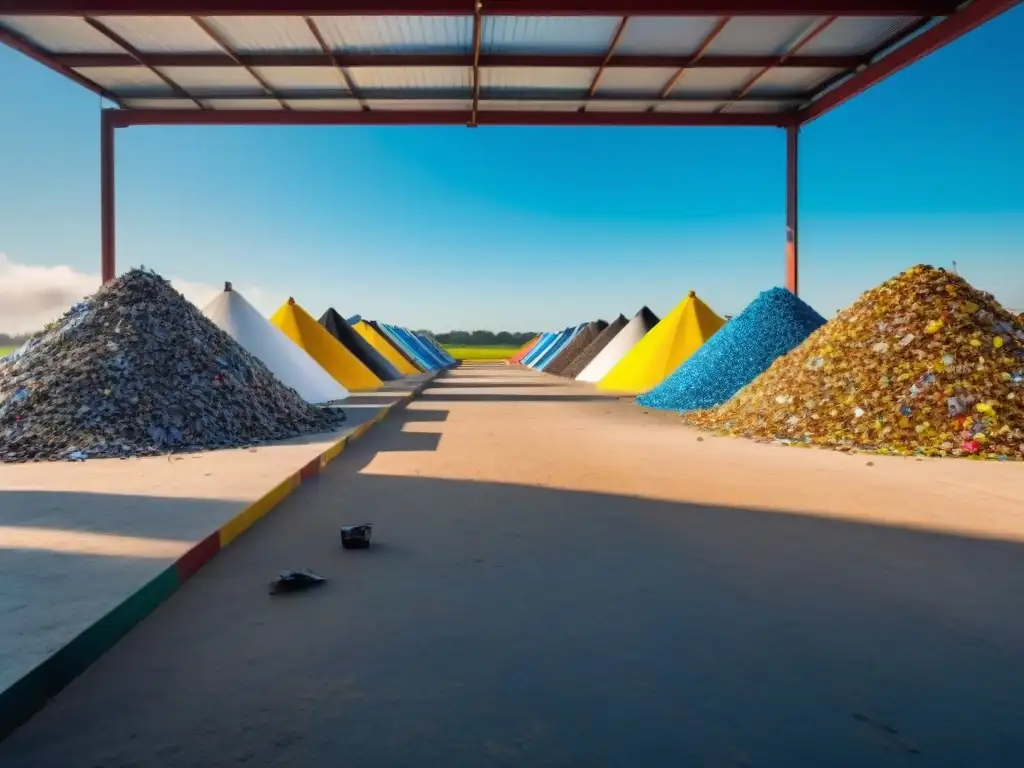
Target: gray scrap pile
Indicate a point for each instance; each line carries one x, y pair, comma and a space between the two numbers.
137, 370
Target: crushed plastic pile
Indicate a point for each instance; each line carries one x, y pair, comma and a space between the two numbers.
924, 364
575, 347
771, 325
594, 348
137, 370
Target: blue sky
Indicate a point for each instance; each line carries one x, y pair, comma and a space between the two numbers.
528, 228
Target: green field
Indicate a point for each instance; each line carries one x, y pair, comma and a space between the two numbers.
481, 353
5, 350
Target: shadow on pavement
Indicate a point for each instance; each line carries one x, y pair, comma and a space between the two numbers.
437, 395
494, 624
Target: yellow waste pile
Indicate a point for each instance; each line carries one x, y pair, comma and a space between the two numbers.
385, 347
666, 346
333, 356
924, 364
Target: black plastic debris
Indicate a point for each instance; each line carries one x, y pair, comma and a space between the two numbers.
356, 536
293, 581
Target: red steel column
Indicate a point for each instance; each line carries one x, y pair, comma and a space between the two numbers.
107, 231
792, 206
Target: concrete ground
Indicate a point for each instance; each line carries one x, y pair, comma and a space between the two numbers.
76, 539
559, 579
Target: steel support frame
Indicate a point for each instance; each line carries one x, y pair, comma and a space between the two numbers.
112, 119
944, 32
465, 7
108, 208
927, 42
793, 209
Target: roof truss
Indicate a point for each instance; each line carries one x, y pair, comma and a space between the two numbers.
731, 75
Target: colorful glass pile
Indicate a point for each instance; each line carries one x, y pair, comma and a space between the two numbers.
924, 364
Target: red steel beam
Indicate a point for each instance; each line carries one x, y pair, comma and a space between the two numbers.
107, 209
220, 40
465, 7
461, 94
807, 37
478, 24
136, 54
24, 46
873, 55
448, 60
335, 62
929, 41
124, 118
609, 54
792, 209
698, 55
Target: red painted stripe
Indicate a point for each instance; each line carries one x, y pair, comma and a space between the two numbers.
312, 469
197, 557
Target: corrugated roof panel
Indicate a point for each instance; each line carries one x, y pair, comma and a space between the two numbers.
397, 34
856, 35
687, 106
265, 34
162, 34
261, 104
634, 80
160, 104
618, 105
516, 105
127, 80
427, 105
61, 34
720, 81
537, 78
324, 105
402, 78
665, 35
547, 34
215, 81
286, 80
760, 35
791, 80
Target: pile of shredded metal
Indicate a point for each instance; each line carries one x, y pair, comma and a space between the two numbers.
137, 370
924, 364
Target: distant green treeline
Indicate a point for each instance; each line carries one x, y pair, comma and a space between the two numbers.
6, 340
483, 338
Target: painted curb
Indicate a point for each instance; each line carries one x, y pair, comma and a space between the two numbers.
23, 699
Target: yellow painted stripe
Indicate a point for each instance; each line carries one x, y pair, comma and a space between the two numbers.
334, 451
260, 508
241, 522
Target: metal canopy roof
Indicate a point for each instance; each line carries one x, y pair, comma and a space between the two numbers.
525, 62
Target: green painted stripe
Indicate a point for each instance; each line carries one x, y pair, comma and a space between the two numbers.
30, 694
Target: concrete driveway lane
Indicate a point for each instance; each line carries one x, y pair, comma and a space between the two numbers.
498, 623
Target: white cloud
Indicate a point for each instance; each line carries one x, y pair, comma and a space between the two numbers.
32, 295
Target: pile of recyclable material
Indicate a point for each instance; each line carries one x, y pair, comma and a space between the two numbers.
619, 346
924, 364
664, 348
576, 345
137, 370
340, 329
594, 348
771, 325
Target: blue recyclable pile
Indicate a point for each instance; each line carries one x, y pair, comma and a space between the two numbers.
771, 325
